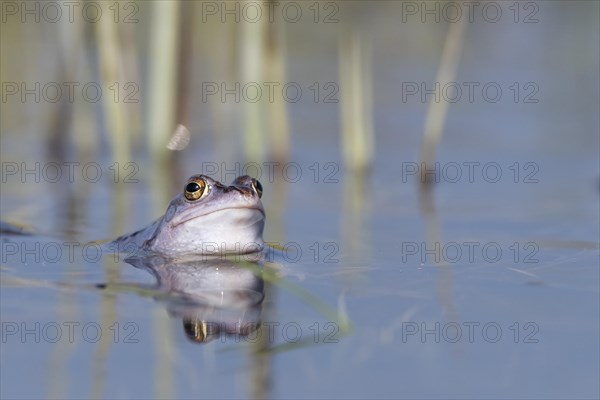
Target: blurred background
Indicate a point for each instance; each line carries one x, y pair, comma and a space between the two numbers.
397, 142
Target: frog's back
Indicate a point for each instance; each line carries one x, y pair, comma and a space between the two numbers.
136, 242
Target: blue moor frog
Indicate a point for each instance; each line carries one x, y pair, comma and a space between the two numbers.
206, 218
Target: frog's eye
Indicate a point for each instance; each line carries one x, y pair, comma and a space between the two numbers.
257, 187
195, 189
197, 330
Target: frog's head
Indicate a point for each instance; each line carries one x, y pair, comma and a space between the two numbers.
211, 218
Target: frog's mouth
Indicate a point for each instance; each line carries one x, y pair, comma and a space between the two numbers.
213, 214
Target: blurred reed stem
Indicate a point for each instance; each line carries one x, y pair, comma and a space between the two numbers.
185, 62
260, 376
164, 58
111, 74
222, 66
436, 113
131, 64
355, 209
164, 365
356, 100
107, 309
61, 122
279, 132
252, 71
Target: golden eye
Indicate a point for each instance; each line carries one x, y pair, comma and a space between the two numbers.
257, 187
196, 330
195, 189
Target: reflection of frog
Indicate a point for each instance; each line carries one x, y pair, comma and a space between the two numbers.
214, 296
207, 218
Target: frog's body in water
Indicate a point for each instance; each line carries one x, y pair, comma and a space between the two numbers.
207, 218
